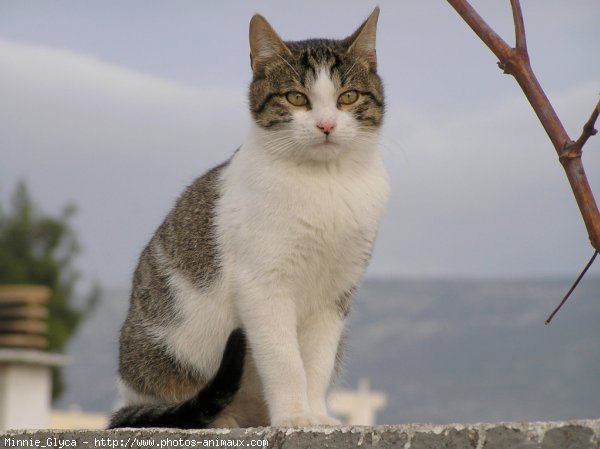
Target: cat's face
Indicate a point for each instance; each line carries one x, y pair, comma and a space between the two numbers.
316, 99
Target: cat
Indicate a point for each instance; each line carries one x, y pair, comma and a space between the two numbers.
274, 241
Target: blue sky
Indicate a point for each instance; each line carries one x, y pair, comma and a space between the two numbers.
116, 106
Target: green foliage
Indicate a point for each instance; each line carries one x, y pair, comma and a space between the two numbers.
39, 249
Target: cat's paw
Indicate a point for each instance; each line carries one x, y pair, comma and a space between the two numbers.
296, 420
225, 421
326, 420
306, 420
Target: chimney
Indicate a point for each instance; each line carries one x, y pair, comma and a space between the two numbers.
25, 364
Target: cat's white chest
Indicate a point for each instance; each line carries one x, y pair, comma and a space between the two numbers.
311, 228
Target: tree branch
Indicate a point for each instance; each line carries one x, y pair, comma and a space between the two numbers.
489, 37
520, 41
515, 61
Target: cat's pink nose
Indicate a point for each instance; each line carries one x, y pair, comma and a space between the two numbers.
327, 126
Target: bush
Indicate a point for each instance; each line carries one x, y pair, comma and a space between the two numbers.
39, 249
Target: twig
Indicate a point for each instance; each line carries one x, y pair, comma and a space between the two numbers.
588, 128
520, 41
589, 264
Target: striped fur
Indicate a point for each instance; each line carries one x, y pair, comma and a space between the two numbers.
202, 409
298, 69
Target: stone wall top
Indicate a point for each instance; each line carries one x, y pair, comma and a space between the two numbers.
579, 434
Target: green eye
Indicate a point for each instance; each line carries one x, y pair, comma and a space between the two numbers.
348, 97
296, 98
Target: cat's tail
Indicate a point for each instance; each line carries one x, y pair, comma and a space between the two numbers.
202, 409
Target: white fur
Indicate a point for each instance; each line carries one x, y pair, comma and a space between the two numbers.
129, 396
203, 316
297, 217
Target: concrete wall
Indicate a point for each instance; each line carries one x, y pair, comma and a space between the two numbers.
584, 434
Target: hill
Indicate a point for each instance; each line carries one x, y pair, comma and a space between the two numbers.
442, 350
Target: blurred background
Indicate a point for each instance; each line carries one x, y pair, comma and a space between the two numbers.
113, 107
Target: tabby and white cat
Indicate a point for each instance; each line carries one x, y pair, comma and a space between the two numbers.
273, 241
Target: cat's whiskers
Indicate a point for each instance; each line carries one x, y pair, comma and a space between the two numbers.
279, 143
280, 137
278, 140
385, 141
279, 146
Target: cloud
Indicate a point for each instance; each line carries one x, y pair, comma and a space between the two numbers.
65, 97
118, 143
483, 193
479, 193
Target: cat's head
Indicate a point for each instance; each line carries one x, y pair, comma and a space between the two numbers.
319, 98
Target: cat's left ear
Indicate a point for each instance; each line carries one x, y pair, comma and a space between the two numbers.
264, 42
362, 41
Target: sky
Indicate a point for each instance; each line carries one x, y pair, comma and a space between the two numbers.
117, 106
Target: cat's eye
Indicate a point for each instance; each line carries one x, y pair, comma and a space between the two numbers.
348, 97
296, 98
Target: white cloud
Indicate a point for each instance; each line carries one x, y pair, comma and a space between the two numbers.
62, 96
118, 143
483, 193
25, 63
474, 194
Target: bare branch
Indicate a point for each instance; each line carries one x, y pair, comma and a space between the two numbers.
489, 37
520, 41
515, 62
588, 128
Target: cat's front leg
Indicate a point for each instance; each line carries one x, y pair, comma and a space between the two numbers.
319, 341
269, 319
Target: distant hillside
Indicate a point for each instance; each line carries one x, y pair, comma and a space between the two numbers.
452, 350
478, 351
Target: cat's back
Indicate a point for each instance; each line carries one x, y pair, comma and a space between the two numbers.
185, 241
182, 252
170, 284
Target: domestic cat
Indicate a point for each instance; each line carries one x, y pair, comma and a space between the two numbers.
273, 241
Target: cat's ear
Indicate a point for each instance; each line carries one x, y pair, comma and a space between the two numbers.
264, 42
362, 41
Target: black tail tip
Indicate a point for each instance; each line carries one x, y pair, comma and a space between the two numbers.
199, 411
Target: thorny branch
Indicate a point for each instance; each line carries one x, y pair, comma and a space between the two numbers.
515, 62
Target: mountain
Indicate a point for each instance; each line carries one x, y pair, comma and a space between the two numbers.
441, 350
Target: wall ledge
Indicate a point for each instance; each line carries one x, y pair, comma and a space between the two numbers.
577, 434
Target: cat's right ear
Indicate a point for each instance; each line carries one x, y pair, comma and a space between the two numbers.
264, 42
